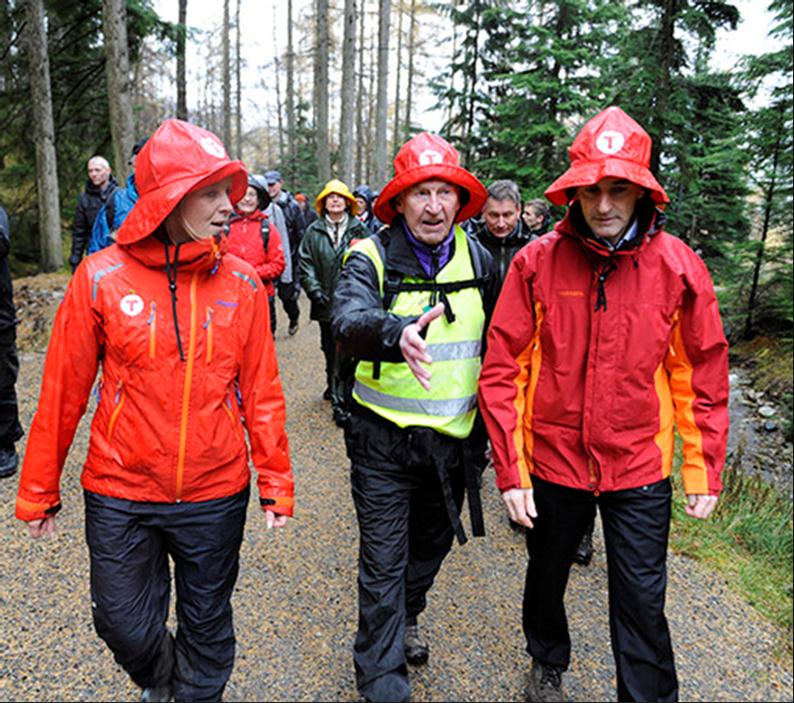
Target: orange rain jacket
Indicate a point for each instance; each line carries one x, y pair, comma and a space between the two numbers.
165, 430
588, 399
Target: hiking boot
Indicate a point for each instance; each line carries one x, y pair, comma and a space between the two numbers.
584, 552
545, 683
327, 394
156, 694
9, 460
293, 328
416, 649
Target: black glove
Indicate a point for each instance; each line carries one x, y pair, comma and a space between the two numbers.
318, 297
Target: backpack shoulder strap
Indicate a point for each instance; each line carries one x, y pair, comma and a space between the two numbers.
264, 228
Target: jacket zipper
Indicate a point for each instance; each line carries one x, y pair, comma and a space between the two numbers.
152, 322
180, 465
208, 327
119, 404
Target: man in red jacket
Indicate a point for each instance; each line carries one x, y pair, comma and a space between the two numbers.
605, 336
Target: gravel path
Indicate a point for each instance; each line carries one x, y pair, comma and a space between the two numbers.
295, 602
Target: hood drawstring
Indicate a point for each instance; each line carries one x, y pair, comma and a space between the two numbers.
170, 272
603, 274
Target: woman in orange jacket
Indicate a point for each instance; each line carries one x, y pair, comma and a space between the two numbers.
177, 330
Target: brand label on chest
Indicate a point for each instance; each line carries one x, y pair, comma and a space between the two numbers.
132, 305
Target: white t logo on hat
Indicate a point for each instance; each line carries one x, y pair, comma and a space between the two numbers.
610, 142
430, 156
132, 305
213, 147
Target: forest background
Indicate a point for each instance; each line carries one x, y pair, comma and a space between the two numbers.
334, 87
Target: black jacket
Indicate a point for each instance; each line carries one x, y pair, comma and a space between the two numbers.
361, 326
88, 205
7, 311
502, 249
293, 218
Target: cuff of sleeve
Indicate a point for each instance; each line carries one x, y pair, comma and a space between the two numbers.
28, 510
283, 505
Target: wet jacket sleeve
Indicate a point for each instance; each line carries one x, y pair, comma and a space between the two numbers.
308, 273
506, 374
69, 372
81, 231
274, 257
361, 326
5, 238
265, 413
697, 364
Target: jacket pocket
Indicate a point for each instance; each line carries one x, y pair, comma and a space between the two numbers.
119, 400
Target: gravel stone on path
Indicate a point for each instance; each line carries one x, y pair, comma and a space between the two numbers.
295, 600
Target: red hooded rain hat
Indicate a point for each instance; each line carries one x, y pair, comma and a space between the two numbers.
422, 158
609, 145
178, 158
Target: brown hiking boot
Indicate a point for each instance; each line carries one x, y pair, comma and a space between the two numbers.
416, 649
545, 683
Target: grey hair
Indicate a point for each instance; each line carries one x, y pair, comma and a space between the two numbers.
505, 190
540, 207
100, 159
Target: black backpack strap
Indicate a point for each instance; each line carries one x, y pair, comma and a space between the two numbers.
264, 228
110, 210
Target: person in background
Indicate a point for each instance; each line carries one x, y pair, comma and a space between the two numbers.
321, 251
177, 329
10, 429
606, 335
116, 208
500, 230
255, 239
536, 218
309, 215
365, 197
288, 292
412, 300
98, 188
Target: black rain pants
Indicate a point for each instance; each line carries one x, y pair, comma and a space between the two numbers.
636, 527
129, 544
10, 429
405, 533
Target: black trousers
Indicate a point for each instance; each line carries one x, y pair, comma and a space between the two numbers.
636, 528
404, 535
271, 301
10, 429
288, 293
129, 544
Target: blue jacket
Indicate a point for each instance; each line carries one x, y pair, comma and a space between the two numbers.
123, 201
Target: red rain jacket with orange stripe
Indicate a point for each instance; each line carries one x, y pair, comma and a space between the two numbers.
588, 398
165, 429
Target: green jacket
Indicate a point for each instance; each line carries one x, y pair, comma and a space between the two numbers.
320, 263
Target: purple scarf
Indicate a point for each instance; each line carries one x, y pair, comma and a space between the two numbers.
424, 253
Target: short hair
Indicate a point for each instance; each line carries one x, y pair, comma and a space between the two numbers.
101, 159
540, 207
505, 190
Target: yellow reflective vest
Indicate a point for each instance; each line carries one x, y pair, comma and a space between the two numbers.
392, 392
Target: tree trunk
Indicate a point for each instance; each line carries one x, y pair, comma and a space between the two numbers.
348, 95
360, 141
279, 104
321, 90
227, 81
290, 99
410, 87
398, 59
371, 114
659, 117
238, 112
44, 136
117, 66
181, 84
381, 118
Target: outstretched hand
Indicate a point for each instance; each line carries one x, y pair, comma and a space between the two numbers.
42, 528
414, 348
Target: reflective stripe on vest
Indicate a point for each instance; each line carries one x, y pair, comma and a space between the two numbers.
450, 405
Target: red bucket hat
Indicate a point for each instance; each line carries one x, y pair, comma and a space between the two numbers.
422, 158
178, 158
609, 145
